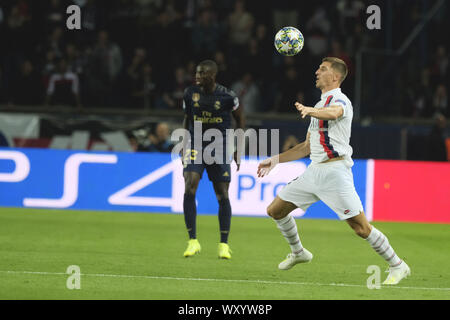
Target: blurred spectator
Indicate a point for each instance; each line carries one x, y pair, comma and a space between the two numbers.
55, 14
265, 41
248, 93
143, 88
350, 12
190, 71
359, 39
172, 98
290, 142
89, 18
189, 13
224, 76
160, 139
74, 59
140, 55
439, 69
240, 26
420, 96
254, 59
440, 100
63, 87
318, 27
26, 88
205, 35
288, 91
166, 38
171, 9
55, 42
284, 14
18, 16
132, 75
109, 55
132, 140
49, 66
437, 150
105, 63
17, 27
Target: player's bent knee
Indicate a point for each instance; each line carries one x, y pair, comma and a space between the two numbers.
276, 213
269, 211
279, 209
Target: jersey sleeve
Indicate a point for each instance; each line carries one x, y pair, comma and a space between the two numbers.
235, 100
343, 103
235, 103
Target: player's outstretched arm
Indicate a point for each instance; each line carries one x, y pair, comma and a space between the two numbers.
299, 151
328, 113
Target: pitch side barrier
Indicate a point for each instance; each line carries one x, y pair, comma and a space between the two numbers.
152, 182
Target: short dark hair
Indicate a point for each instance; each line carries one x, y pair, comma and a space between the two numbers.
212, 65
338, 65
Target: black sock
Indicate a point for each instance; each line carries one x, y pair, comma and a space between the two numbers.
224, 219
190, 214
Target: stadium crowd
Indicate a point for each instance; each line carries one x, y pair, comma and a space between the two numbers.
142, 53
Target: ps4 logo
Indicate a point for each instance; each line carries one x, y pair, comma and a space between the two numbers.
71, 181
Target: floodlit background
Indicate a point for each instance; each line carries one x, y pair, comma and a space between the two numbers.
128, 66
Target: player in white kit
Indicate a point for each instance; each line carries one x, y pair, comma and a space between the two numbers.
329, 176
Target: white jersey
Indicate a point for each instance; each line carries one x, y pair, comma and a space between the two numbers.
331, 138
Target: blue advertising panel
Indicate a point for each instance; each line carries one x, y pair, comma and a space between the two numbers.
143, 182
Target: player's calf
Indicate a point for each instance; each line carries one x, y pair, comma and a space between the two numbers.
362, 231
360, 225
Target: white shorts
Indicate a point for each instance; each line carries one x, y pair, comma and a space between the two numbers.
330, 182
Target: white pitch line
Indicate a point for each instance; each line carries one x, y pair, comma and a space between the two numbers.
223, 280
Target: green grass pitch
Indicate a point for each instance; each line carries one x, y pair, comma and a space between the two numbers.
140, 256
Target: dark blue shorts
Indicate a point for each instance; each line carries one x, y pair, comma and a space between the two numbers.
216, 172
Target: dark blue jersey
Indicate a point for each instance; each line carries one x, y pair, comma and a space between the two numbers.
213, 110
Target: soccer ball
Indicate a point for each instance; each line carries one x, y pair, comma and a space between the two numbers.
289, 41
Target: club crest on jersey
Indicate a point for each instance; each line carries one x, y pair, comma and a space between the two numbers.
196, 99
217, 105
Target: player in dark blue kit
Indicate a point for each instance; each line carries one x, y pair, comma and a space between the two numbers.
214, 106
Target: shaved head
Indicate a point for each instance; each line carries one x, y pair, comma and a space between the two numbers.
211, 65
